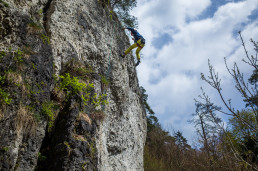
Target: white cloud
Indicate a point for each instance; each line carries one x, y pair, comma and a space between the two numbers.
171, 74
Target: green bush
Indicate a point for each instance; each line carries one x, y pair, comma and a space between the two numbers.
104, 80
2, 54
18, 57
72, 86
48, 111
5, 149
45, 39
4, 96
41, 157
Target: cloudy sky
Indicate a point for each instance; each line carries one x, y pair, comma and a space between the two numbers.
181, 35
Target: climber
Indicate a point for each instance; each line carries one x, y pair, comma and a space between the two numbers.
139, 42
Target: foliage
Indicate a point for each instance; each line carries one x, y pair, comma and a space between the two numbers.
2, 54
45, 39
78, 69
243, 137
4, 95
27, 50
151, 162
105, 80
18, 57
5, 3
41, 157
48, 111
240, 140
40, 12
5, 149
123, 8
152, 120
72, 86
93, 149
180, 140
34, 26
67, 145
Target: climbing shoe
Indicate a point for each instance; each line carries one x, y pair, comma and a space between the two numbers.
138, 62
122, 56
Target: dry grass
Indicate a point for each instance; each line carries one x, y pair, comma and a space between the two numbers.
27, 50
98, 115
14, 78
58, 94
85, 117
34, 28
25, 120
1, 115
77, 68
79, 137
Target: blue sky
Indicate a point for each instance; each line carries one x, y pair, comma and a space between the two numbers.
181, 35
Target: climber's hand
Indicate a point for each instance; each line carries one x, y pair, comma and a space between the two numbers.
138, 62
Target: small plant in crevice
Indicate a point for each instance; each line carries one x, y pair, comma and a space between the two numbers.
37, 116
5, 3
33, 66
79, 138
5, 97
27, 50
48, 111
45, 39
18, 57
2, 54
93, 149
68, 146
41, 157
84, 165
104, 80
5, 149
110, 14
40, 12
34, 27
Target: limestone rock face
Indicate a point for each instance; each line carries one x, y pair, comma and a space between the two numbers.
52, 35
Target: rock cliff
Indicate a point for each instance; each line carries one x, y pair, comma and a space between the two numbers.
68, 102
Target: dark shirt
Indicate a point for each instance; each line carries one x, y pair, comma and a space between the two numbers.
136, 35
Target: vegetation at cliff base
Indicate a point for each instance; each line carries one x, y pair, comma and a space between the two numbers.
232, 147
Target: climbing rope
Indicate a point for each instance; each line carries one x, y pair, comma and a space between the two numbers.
108, 73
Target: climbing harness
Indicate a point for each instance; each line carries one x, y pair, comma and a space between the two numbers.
139, 46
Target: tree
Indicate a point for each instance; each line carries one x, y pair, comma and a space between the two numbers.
123, 8
152, 120
245, 138
181, 141
206, 121
249, 93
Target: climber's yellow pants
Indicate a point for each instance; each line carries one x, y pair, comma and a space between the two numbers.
139, 44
